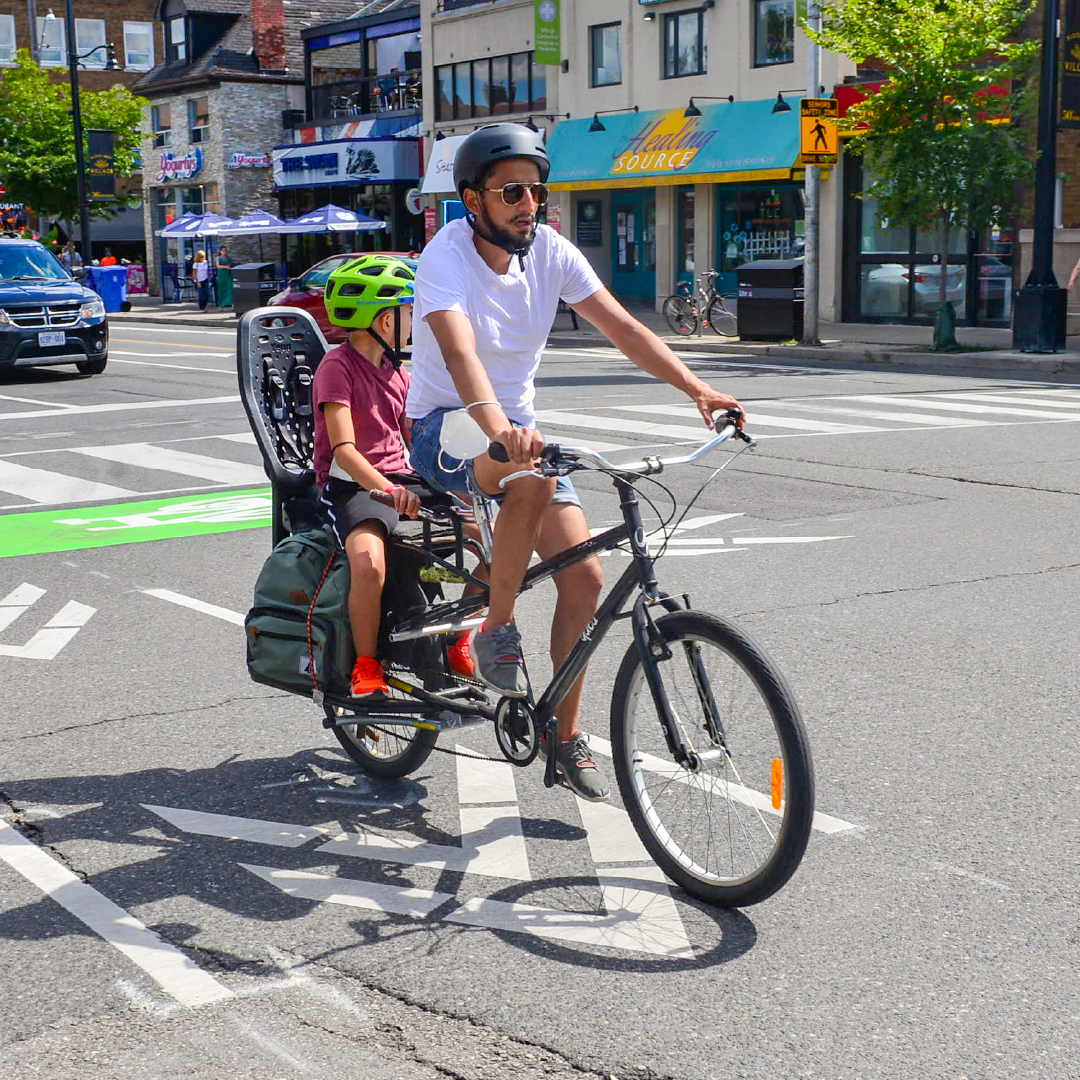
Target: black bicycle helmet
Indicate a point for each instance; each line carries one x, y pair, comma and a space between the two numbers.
487, 146
494, 143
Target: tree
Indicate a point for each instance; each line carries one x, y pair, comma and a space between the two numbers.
941, 134
37, 140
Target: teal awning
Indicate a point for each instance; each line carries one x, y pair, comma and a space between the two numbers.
728, 142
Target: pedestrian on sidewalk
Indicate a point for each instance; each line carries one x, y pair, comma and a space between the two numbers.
200, 271
224, 277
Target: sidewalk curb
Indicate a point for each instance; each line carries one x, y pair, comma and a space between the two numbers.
868, 355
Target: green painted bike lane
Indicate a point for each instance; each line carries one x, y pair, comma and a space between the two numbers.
40, 532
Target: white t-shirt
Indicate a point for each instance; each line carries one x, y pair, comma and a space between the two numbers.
200, 271
511, 314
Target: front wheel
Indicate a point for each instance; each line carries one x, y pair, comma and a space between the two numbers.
732, 831
91, 367
680, 315
723, 316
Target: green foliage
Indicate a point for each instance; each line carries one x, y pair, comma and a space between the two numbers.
943, 154
37, 142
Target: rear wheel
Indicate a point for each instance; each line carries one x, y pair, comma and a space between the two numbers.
381, 750
680, 315
732, 830
92, 367
723, 316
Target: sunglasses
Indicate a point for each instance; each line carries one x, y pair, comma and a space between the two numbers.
512, 194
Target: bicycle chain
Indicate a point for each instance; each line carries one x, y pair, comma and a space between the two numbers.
442, 749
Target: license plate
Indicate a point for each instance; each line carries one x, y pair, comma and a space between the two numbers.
51, 337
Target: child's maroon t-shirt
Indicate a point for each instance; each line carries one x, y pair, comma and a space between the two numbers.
376, 398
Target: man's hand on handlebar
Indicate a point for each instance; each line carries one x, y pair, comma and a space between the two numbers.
523, 445
710, 401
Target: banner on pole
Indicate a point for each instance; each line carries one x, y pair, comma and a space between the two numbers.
101, 163
546, 38
1069, 114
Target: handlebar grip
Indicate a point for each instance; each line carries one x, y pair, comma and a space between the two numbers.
497, 452
383, 497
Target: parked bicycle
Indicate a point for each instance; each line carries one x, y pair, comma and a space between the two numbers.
711, 757
688, 310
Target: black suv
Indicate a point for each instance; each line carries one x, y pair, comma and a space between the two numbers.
46, 317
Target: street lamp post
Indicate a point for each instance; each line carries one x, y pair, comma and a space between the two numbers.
76, 120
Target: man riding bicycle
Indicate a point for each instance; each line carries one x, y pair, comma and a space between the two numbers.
487, 289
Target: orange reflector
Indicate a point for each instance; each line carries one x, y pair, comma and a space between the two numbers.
777, 782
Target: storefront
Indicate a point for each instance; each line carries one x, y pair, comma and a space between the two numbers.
892, 273
657, 197
376, 176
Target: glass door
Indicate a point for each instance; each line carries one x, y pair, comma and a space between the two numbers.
634, 245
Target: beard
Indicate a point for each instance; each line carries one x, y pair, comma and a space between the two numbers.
512, 240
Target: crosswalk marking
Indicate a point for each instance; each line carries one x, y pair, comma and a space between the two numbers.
611, 423
1003, 399
43, 485
900, 417
166, 459
954, 406
758, 419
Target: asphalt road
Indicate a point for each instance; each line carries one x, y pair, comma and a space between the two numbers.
903, 544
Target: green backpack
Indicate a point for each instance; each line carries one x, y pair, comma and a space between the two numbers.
280, 650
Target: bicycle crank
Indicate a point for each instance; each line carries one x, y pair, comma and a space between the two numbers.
515, 731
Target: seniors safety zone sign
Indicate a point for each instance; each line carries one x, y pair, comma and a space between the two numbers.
347, 161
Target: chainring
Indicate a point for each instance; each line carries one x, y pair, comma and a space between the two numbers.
515, 731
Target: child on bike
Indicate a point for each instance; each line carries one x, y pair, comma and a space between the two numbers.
360, 434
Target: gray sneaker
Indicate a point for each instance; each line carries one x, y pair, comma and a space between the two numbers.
576, 769
500, 664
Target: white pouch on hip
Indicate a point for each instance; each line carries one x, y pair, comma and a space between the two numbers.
461, 437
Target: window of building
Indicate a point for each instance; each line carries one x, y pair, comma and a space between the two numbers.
685, 49
177, 39
138, 46
199, 119
489, 87
90, 43
444, 102
686, 232
605, 50
201, 200
481, 87
500, 85
774, 32
7, 39
161, 122
52, 43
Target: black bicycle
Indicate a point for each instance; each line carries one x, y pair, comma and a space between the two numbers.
688, 309
711, 756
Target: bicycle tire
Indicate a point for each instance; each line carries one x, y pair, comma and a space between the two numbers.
663, 812
723, 316
679, 312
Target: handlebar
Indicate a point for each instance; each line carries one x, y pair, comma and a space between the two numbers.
556, 456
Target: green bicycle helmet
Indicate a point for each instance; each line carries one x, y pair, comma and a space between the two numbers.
356, 292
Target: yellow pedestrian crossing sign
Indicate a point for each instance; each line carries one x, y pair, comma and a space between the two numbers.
820, 142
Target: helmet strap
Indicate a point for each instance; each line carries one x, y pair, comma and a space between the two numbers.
520, 250
394, 355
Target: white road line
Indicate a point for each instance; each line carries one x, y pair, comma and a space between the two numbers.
951, 406
242, 437
611, 835
1002, 399
174, 972
145, 329
120, 406
361, 894
617, 424
166, 459
177, 356
1055, 391
17, 602
276, 833
757, 419
28, 400
234, 617
872, 414
177, 367
44, 486
737, 793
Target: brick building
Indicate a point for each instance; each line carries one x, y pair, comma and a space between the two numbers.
230, 77
127, 24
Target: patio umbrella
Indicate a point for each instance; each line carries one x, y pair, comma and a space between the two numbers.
331, 218
254, 224
195, 225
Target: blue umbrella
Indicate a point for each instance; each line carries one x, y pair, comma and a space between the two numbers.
195, 225
254, 224
331, 218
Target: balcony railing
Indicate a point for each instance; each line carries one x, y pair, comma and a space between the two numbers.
366, 97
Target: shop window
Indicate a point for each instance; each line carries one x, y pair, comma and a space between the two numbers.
686, 231
685, 49
199, 119
444, 101
500, 85
481, 86
90, 43
774, 32
7, 39
161, 122
759, 223
164, 206
177, 39
519, 82
52, 42
605, 54
138, 46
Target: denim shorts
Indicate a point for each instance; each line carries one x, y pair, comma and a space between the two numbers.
446, 473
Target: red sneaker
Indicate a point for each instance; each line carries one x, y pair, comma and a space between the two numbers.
461, 661
368, 678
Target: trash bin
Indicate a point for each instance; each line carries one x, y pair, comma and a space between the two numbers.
110, 283
253, 285
771, 300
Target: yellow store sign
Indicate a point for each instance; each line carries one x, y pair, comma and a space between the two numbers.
668, 144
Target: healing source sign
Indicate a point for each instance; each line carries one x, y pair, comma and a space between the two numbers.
671, 142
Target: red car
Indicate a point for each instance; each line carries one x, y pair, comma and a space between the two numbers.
306, 291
